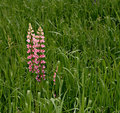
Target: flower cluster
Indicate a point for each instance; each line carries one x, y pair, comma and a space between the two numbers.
54, 77
36, 52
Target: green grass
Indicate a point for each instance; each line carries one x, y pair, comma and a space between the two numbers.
82, 38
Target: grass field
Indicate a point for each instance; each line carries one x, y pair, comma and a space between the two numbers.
82, 39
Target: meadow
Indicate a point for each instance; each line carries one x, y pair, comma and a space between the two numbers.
82, 38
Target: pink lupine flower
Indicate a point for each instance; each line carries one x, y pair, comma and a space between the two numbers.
32, 31
37, 36
37, 78
30, 56
30, 70
43, 67
43, 62
35, 56
36, 46
28, 46
38, 32
43, 75
28, 36
33, 34
54, 77
28, 33
42, 50
42, 41
42, 56
35, 41
36, 52
30, 67
42, 45
43, 71
29, 62
37, 71
28, 51
42, 33
42, 37
36, 61
28, 40
36, 67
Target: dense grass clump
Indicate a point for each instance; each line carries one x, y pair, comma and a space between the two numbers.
82, 39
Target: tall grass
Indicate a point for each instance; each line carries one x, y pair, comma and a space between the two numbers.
82, 37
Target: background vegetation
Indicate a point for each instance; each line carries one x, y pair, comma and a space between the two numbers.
82, 38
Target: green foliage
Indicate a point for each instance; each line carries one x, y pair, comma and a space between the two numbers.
82, 37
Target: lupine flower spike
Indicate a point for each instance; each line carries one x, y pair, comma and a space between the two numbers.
35, 49
30, 47
41, 46
54, 77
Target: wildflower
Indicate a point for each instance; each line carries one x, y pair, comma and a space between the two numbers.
43, 62
54, 77
30, 56
36, 52
28, 51
41, 51
28, 40
29, 62
42, 56
28, 46
42, 45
